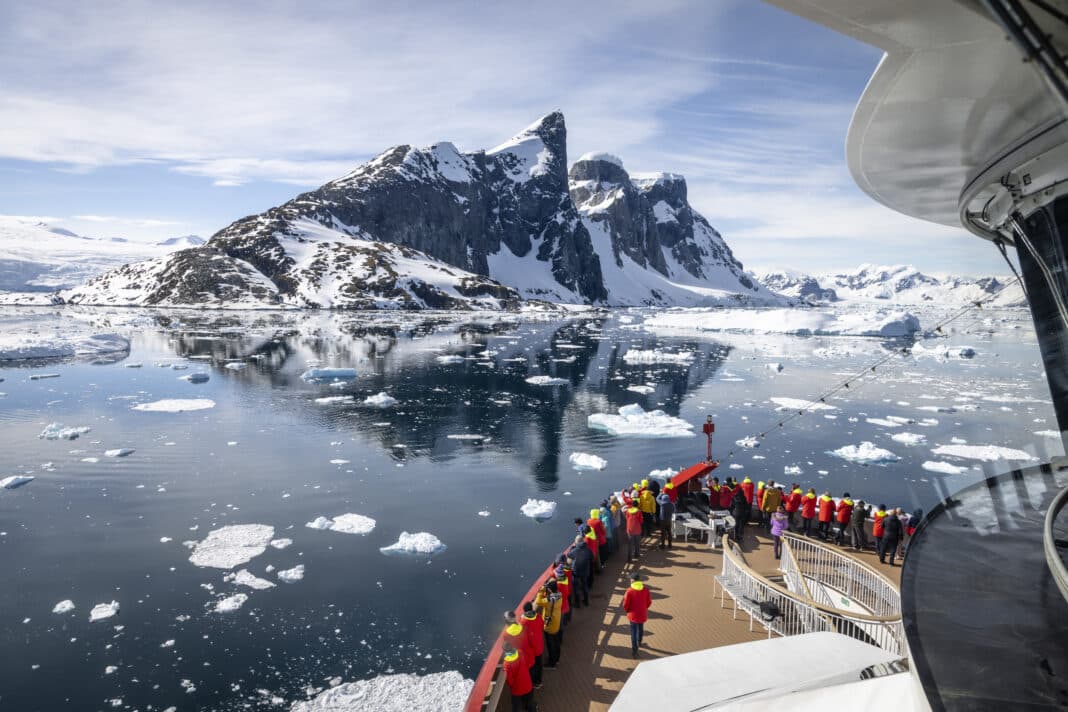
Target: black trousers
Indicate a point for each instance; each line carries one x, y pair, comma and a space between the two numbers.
739, 528
535, 670
824, 530
523, 703
889, 549
806, 525
665, 533
552, 648
582, 591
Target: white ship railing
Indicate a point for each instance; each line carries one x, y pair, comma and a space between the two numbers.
1049, 543
784, 612
853, 579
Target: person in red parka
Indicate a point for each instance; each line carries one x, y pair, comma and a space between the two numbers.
747, 489
726, 494
517, 674
634, 532
826, 515
598, 528
636, 602
793, 506
845, 513
516, 636
534, 626
808, 511
671, 492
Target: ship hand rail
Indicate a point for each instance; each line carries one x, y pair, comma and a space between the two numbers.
803, 615
792, 574
854, 579
1049, 544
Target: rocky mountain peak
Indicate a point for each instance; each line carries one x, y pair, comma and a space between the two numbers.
669, 187
600, 167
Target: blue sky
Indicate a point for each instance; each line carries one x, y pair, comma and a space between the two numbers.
151, 120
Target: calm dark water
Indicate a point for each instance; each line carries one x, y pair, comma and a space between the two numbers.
91, 531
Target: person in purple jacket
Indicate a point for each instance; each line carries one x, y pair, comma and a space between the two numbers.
780, 520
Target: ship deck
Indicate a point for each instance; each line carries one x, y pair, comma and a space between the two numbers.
596, 660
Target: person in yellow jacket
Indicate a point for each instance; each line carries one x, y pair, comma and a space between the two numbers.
647, 503
769, 503
549, 602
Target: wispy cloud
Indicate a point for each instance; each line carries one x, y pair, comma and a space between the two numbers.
114, 220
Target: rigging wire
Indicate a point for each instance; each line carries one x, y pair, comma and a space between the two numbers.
861, 377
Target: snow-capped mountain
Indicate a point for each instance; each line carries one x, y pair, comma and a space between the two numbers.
900, 284
37, 257
179, 243
423, 227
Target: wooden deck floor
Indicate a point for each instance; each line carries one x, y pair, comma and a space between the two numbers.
685, 616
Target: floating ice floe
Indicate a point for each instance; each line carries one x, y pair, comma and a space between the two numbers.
230, 604
776, 367
937, 408
334, 400
244, 577
472, 437
232, 546
102, 611
799, 404
380, 400
792, 470
23, 346
450, 358
1048, 433
657, 356
586, 461
804, 322
132, 365
440, 692
64, 606
344, 523
909, 438
15, 481
484, 513
547, 381
866, 453
281, 543
198, 377
943, 468
320, 523
238, 366
175, 405
942, 352
884, 422
539, 510
56, 431
41, 376
634, 421
644, 390
119, 452
986, 453
292, 575
328, 374
663, 475
418, 543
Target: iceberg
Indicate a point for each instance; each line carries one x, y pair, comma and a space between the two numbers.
232, 546
585, 461
866, 453
751, 441
56, 431
418, 543
633, 421
237, 366
909, 438
197, 377
344, 523
246, 578
380, 400
328, 374
281, 543
65, 606
943, 468
643, 390
803, 322
539, 510
119, 452
334, 400
799, 404
440, 691
175, 405
21, 347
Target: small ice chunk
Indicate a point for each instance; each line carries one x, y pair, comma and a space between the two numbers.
110, 669
102, 611
865, 453
15, 481
643, 390
328, 374
64, 606
232, 546
657, 356
799, 404
380, 400
748, 442
483, 513
292, 575
909, 438
586, 461
943, 468
133, 365
236, 366
986, 453
170, 643
246, 578
547, 381
231, 604
334, 400
776, 367
450, 358
418, 543
281, 543
353, 524
320, 523
791, 470
883, 422
197, 377
539, 510
119, 452
175, 405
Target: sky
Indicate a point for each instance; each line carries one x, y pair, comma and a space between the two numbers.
149, 119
